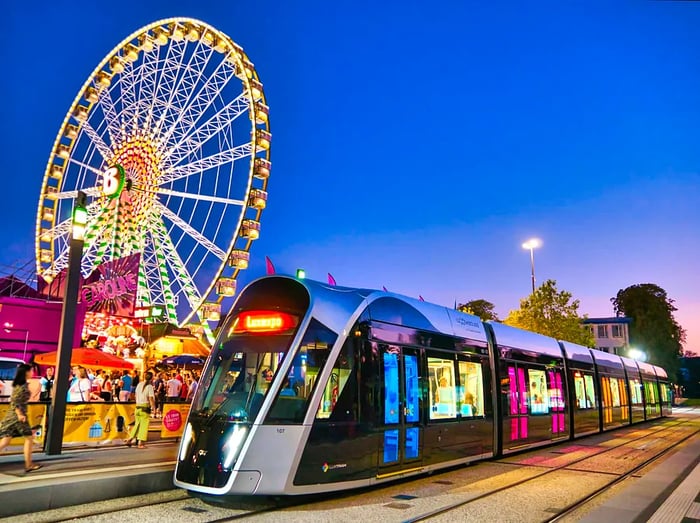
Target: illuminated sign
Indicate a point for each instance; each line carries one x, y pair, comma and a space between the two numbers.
111, 289
113, 181
148, 312
263, 321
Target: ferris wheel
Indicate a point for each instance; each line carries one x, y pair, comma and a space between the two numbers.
169, 139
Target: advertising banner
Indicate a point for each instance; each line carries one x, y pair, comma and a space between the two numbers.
36, 412
114, 291
174, 418
97, 423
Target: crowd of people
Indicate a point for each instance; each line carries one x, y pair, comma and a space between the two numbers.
100, 385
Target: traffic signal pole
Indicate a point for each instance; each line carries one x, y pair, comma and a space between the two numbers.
57, 415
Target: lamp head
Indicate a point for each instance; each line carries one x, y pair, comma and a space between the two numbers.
532, 243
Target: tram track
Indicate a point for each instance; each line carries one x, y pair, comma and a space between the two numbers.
572, 507
196, 508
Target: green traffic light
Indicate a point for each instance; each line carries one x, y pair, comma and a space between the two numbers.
301, 274
80, 216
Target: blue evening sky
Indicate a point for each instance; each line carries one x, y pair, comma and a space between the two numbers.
416, 145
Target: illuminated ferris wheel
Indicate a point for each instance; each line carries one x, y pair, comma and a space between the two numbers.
169, 138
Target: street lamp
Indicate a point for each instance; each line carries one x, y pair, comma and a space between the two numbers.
532, 244
636, 354
9, 327
54, 434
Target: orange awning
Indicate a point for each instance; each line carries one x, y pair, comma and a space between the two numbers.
92, 358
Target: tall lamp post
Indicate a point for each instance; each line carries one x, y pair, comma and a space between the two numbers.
54, 434
9, 327
532, 244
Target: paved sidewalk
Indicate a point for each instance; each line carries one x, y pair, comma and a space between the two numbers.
84, 475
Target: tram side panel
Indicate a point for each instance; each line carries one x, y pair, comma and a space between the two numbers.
580, 378
614, 396
533, 390
343, 442
635, 389
460, 412
650, 385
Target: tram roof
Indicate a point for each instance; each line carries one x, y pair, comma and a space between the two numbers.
334, 304
575, 352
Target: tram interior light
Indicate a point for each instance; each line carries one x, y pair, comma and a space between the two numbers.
301, 274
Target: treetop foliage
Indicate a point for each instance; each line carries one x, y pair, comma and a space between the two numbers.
553, 313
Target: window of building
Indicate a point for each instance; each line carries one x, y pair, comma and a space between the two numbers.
617, 331
470, 396
602, 331
443, 391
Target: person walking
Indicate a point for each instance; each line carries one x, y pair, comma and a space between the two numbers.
145, 404
16, 423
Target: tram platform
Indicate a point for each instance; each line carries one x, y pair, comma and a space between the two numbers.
667, 493
84, 475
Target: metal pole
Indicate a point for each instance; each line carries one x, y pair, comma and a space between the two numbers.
26, 341
54, 434
532, 265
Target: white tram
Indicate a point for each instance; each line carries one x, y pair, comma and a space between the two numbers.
313, 388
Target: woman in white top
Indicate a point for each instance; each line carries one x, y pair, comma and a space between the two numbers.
79, 389
145, 404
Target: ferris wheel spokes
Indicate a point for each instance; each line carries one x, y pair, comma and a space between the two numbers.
208, 162
199, 197
196, 137
191, 231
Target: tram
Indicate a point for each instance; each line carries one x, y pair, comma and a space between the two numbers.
313, 388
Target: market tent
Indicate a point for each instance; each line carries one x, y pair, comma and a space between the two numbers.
92, 358
184, 360
174, 345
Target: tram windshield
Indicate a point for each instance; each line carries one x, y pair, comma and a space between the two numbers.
243, 366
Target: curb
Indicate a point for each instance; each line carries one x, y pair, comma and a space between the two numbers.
40, 495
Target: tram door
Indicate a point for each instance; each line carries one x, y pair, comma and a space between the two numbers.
401, 441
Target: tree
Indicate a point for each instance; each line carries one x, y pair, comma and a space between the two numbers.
654, 330
481, 308
552, 313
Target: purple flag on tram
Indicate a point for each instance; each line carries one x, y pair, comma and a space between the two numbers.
331, 279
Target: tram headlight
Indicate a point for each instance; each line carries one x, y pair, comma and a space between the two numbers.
186, 440
233, 445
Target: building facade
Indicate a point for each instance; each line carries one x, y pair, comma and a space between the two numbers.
611, 334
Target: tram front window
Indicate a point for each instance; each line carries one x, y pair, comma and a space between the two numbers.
243, 365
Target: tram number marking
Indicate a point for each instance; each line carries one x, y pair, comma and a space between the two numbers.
280, 431
113, 181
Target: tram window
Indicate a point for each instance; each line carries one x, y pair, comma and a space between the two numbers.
650, 390
615, 392
585, 393
290, 404
636, 391
470, 394
539, 399
339, 400
443, 397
